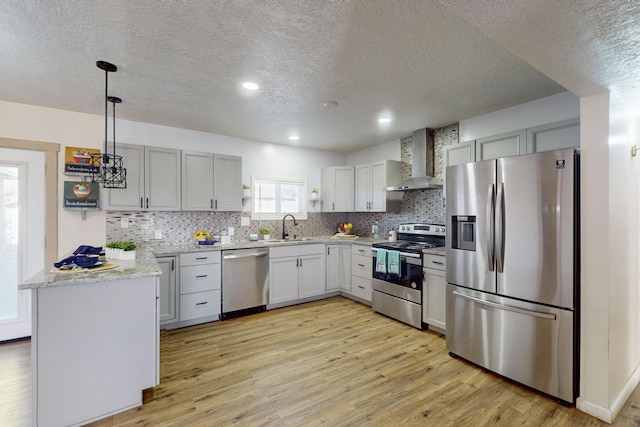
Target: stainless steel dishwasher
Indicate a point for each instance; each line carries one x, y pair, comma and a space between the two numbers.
245, 281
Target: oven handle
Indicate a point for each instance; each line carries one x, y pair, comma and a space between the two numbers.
404, 254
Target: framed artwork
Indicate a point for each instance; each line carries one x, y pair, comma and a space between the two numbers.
77, 161
81, 195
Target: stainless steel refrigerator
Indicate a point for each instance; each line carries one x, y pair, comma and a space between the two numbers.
513, 268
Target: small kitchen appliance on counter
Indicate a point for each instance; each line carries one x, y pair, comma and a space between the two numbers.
397, 291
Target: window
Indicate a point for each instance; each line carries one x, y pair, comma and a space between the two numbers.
275, 197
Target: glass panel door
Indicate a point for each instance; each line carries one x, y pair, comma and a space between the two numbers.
22, 239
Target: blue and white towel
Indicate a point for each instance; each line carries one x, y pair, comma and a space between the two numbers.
393, 262
381, 261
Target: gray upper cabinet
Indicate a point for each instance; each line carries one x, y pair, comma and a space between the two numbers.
211, 182
554, 136
153, 180
197, 181
371, 181
162, 179
227, 183
338, 189
504, 145
132, 197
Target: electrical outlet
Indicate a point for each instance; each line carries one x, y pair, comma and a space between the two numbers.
245, 221
124, 222
231, 231
158, 234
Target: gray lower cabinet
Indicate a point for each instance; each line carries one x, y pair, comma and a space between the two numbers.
168, 290
190, 289
296, 272
434, 289
339, 267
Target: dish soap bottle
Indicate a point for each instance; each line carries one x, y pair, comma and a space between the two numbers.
375, 229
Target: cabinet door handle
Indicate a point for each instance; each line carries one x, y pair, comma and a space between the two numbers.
201, 303
202, 276
361, 287
361, 265
361, 251
333, 206
216, 204
147, 203
328, 250
173, 264
141, 203
211, 203
300, 262
437, 262
297, 262
201, 258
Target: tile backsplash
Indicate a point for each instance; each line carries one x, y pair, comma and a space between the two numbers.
179, 227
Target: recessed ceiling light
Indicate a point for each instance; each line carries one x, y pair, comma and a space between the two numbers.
250, 86
294, 138
330, 104
384, 120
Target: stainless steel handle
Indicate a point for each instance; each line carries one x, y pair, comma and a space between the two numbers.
300, 262
201, 303
361, 251
297, 262
201, 258
253, 254
141, 203
202, 276
437, 262
333, 206
491, 209
173, 264
211, 203
404, 254
533, 313
147, 203
500, 231
361, 287
361, 265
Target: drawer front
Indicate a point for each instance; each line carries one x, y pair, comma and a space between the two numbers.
361, 288
361, 266
197, 258
296, 250
361, 250
437, 262
200, 304
197, 278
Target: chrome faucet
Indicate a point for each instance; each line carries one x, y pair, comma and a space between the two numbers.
284, 234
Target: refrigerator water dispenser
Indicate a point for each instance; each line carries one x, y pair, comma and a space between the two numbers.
464, 232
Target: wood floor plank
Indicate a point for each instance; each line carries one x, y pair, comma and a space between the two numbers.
328, 363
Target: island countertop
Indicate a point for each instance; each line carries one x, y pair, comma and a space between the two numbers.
144, 265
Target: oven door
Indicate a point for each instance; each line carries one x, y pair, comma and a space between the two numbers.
410, 271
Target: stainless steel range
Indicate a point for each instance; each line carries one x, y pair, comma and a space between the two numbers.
400, 295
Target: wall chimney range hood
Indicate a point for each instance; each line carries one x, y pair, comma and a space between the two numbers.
422, 163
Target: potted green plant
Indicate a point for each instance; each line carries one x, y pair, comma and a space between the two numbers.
246, 191
121, 250
266, 233
314, 194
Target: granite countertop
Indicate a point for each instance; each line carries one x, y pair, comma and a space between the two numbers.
178, 248
144, 265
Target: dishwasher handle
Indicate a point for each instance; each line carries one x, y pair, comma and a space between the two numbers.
251, 255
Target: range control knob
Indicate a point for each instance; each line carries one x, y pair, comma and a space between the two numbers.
414, 285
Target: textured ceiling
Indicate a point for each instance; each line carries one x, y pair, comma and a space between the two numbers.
424, 62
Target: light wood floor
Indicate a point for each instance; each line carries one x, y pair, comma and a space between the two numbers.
332, 362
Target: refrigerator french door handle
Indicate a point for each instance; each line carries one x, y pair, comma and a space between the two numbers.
533, 313
491, 206
500, 232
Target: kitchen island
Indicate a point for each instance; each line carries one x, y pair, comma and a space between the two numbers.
95, 341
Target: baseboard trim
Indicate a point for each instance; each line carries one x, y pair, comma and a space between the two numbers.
609, 415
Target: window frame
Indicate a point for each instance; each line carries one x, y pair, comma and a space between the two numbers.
255, 215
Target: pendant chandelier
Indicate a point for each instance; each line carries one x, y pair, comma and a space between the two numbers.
109, 172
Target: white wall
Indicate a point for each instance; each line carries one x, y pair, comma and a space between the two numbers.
554, 108
68, 128
389, 150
